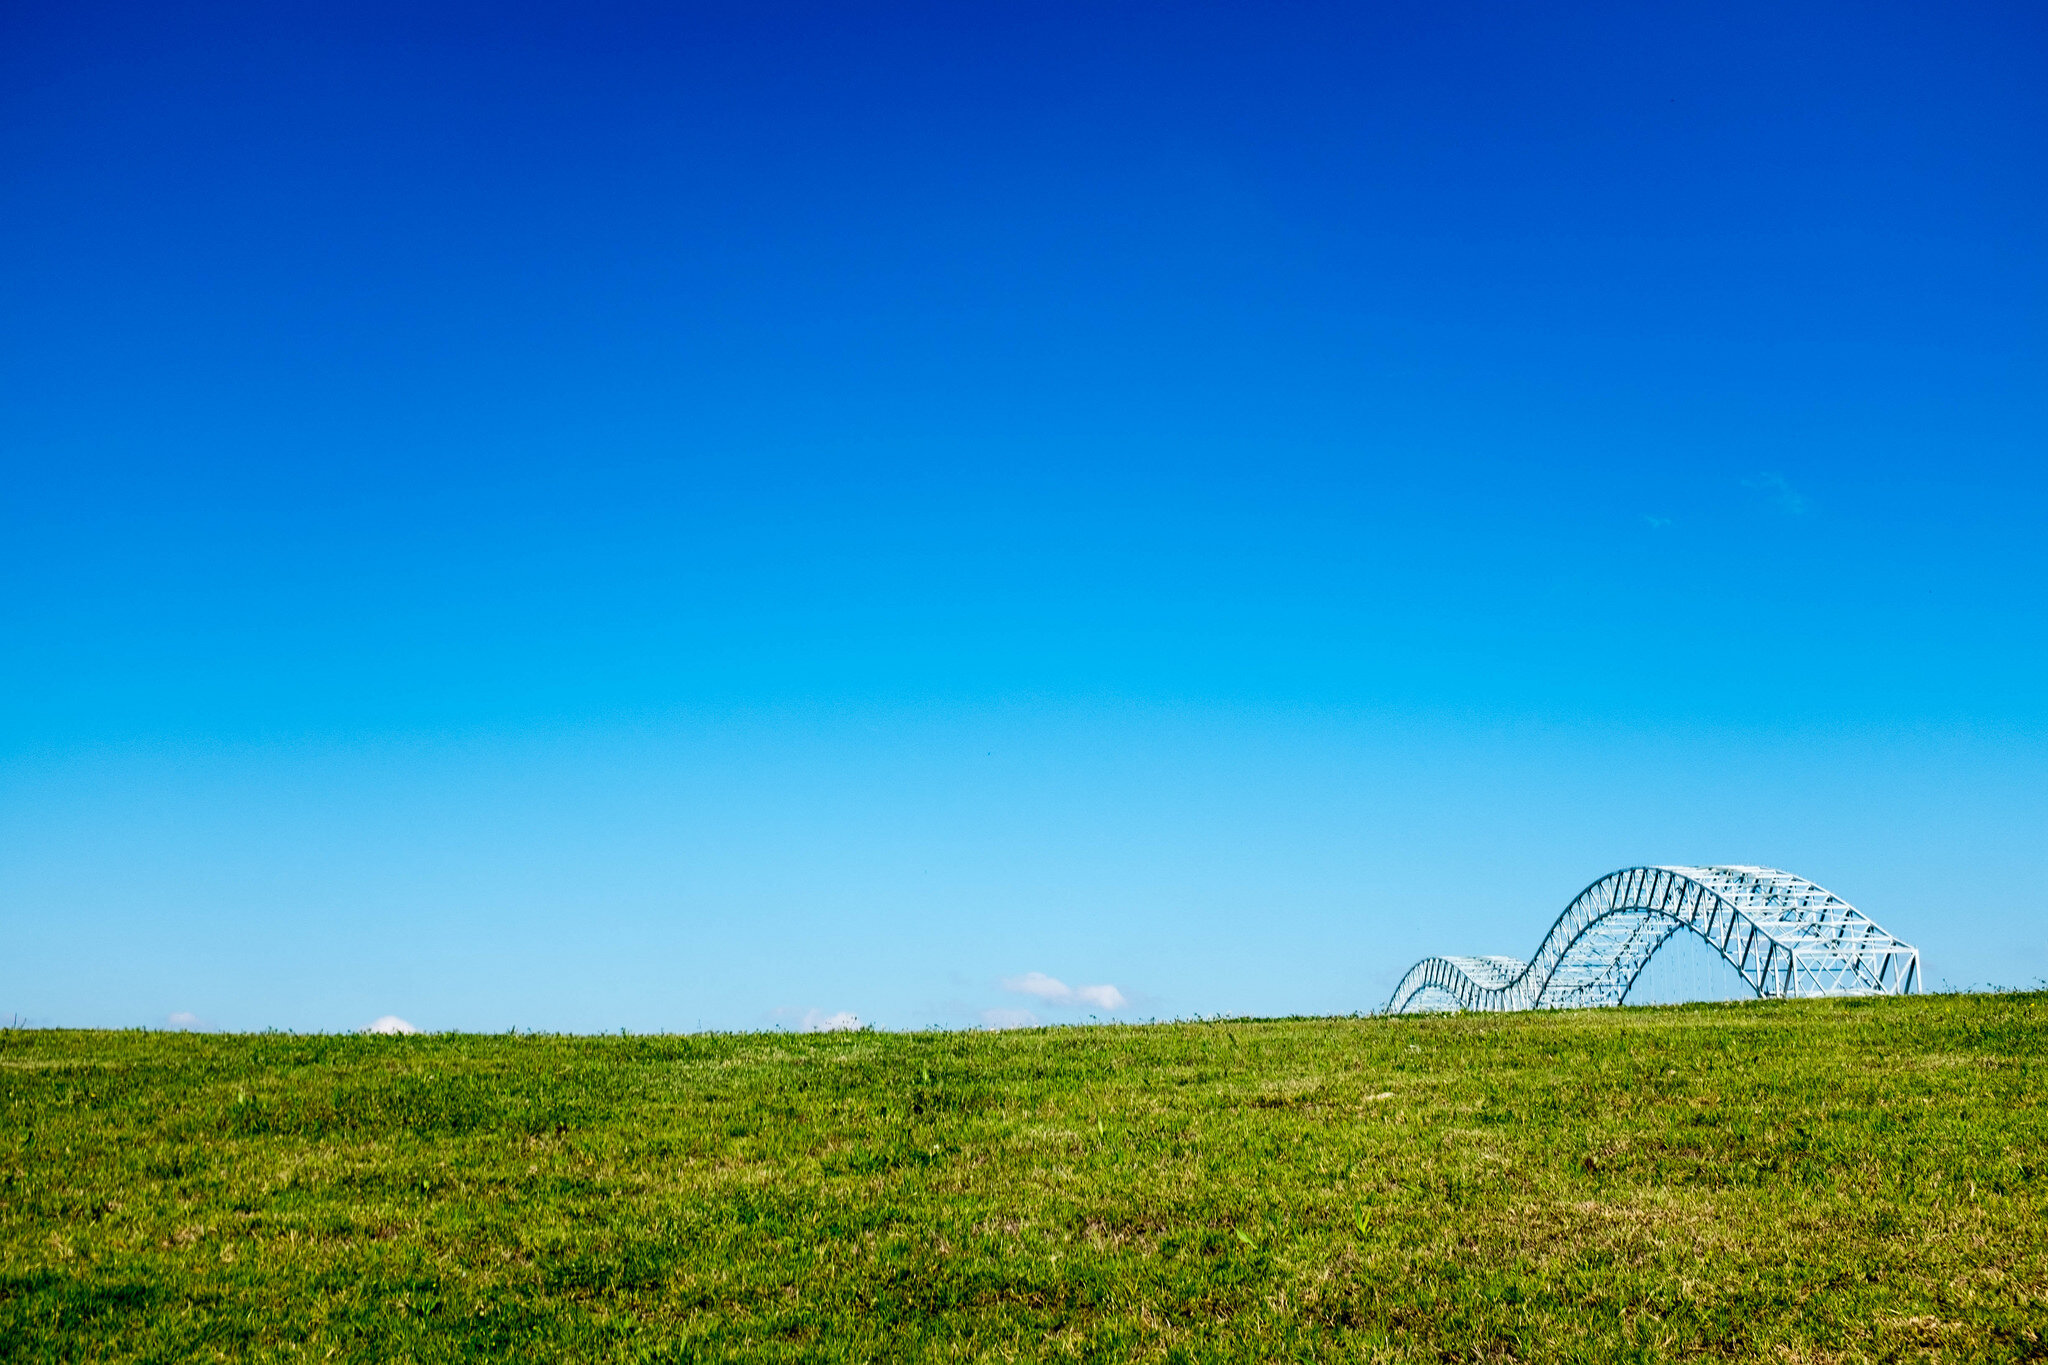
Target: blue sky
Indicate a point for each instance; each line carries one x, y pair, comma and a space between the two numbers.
734, 515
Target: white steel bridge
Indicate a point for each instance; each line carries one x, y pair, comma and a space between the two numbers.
1783, 934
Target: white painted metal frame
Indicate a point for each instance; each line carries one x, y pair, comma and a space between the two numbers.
1783, 934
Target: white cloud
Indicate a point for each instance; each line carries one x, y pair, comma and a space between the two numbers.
1102, 997
1054, 991
1000, 1018
390, 1023
1040, 985
842, 1021
1780, 494
184, 1019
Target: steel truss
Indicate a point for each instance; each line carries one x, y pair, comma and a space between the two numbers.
1786, 936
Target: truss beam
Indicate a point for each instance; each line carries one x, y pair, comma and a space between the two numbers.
1784, 935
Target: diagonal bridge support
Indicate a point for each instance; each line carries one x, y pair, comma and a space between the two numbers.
1786, 937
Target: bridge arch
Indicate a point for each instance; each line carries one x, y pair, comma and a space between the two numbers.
1783, 934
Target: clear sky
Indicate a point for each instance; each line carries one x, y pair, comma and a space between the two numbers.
686, 515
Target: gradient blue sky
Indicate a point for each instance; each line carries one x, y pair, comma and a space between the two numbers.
688, 516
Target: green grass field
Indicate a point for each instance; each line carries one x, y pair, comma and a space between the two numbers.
1808, 1181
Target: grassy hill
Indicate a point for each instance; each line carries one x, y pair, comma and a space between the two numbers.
1804, 1181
